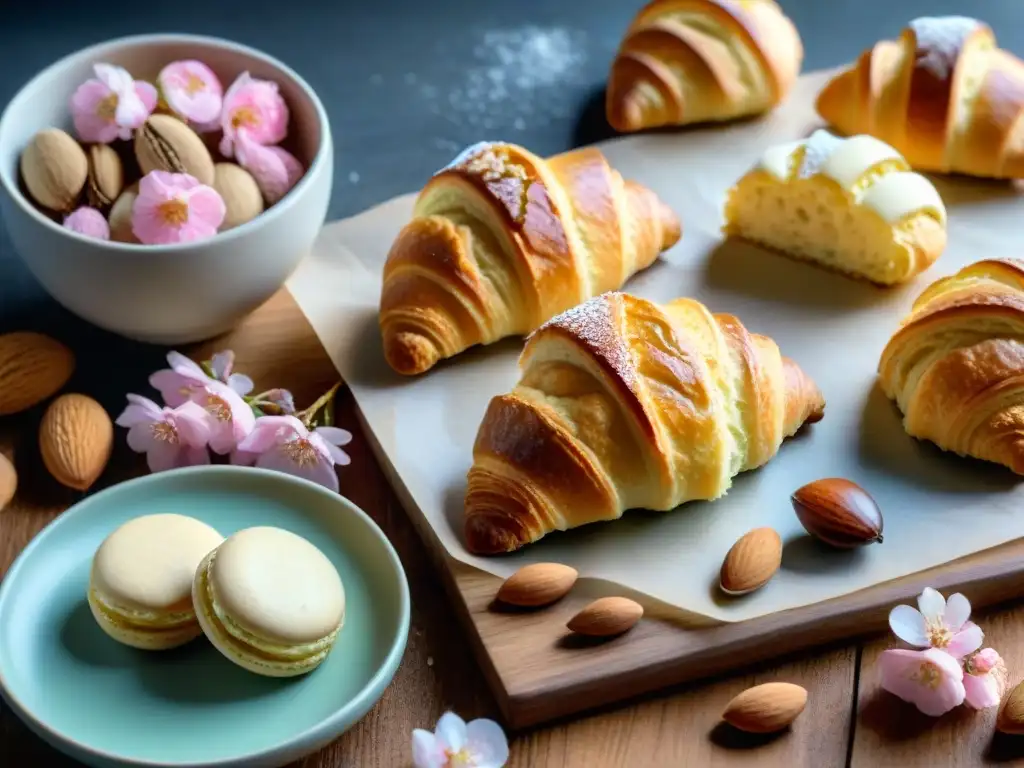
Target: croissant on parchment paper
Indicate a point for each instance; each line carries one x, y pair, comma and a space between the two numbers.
943, 95
623, 403
502, 240
692, 61
955, 367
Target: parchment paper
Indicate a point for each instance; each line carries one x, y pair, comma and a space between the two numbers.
937, 506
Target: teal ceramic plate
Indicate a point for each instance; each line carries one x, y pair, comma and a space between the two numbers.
109, 705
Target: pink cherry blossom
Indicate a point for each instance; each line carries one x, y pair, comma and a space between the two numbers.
938, 624
285, 444
111, 105
481, 743
231, 418
931, 680
192, 91
275, 170
984, 679
170, 437
255, 106
175, 208
89, 222
186, 378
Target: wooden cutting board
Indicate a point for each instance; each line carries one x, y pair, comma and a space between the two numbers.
539, 671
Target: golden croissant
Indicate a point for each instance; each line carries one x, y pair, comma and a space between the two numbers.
692, 61
502, 240
943, 95
955, 367
623, 403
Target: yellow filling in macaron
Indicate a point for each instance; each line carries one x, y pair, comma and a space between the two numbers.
140, 620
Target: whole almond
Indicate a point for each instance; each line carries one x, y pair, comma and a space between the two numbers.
8, 481
76, 437
54, 168
165, 143
1011, 713
120, 218
606, 616
243, 200
106, 176
751, 561
766, 708
838, 512
32, 368
538, 584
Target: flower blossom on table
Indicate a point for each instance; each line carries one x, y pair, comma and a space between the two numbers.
255, 106
931, 680
275, 169
938, 623
175, 208
111, 105
186, 378
89, 222
231, 418
170, 437
984, 679
285, 444
454, 743
192, 91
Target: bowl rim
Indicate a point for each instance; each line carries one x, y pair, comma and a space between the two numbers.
322, 733
11, 187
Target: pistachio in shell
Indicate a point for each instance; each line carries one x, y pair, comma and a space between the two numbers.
120, 218
106, 176
54, 168
165, 143
242, 198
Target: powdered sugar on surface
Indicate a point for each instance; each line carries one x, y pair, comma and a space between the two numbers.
939, 40
522, 70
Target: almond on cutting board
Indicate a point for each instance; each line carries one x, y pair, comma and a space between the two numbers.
32, 368
766, 708
1011, 714
536, 585
606, 616
76, 437
751, 561
8, 481
838, 512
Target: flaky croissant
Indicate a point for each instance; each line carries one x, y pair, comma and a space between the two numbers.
943, 94
502, 240
851, 205
623, 403
692, 61
955, 367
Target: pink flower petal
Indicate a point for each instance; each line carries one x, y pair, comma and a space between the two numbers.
451, 731
487, 743
241, 383
193, 457
140, 410
930, 679
243, 458
140, 436
335, 435
193, 424
117, 79
907, 624
162, 456
320, 472
275, 170
982, 691
965, 641
206, 206
147, 95
174, 388
89, 124
426, 752
337, 455
255, 106
221, 364
958, 611
192, 90
89, 222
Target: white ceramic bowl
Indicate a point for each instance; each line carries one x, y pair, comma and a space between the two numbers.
171, 294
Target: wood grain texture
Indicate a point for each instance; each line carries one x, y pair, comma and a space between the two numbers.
678, 727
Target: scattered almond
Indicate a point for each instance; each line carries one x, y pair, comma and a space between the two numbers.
8, 481
538, 584
32, 368
1011, 713
766, 708
606, 616
75, 438
751, 561
838, 512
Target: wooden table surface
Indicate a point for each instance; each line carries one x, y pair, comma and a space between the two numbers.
848, 721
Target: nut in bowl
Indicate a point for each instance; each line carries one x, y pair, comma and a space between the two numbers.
99, 151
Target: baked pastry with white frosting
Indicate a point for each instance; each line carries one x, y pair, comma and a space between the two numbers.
852, 205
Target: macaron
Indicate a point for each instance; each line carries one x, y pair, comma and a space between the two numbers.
270, 601
140, 585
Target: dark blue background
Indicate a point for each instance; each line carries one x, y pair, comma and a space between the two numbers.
407, 84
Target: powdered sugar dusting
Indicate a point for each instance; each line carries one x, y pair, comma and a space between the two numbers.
819, 146
593, 324
939, 40
523, 68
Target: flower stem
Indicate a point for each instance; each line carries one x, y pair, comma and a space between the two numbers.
324, 404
